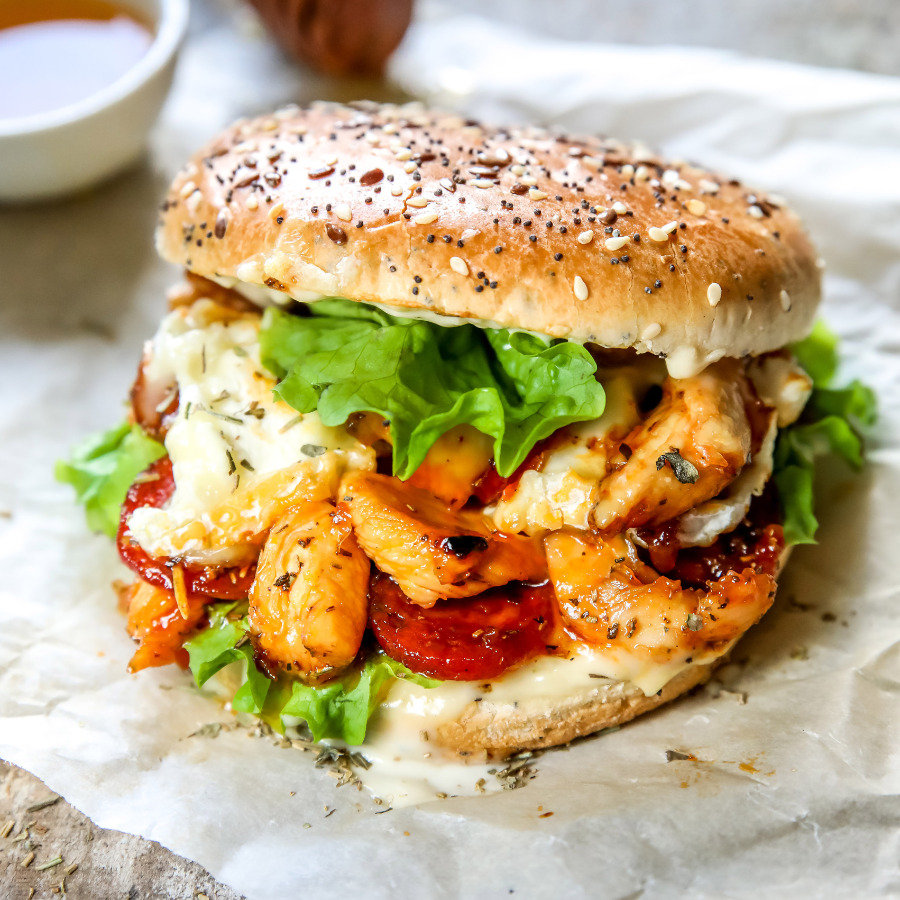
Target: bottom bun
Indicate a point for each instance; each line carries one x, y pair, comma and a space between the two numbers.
501, 729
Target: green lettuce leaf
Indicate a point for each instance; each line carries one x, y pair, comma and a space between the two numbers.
224, 642
832, 424
102, 469
425, 379
818, 354
337, 709
795, 491
342, 708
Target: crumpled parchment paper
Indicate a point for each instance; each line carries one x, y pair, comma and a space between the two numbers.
792, 793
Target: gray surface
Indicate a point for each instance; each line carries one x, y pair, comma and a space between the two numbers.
851, 34
854, 33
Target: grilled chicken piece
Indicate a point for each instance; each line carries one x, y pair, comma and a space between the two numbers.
608, 597
308, 604
693, 444
431, 550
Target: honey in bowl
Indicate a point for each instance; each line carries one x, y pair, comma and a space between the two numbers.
54, 53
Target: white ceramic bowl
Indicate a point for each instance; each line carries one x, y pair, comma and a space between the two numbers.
75, 146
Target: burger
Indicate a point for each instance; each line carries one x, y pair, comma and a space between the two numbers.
502, 430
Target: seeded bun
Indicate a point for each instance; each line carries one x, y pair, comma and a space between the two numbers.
421, 211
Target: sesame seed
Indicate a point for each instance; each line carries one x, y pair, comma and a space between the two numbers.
755, 211
396, 191
620, 207
535, 194
528, 180
482, 182
651, 331
517, 169
409, 168
581, 289
188, 189
785, 301
403, 154
459, 265
695, 206
251, 202
193, 202
708, 187
659, 235
418, 202
616, 243
426, 218
342, 211
669, 227
714, 294
585, 237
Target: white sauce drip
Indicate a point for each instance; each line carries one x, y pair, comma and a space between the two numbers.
407, 768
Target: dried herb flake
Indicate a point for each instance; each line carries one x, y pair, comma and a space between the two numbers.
686, 472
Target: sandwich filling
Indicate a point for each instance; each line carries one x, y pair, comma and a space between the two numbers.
335, 498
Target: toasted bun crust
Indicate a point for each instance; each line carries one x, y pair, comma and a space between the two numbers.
501, 729
421, 211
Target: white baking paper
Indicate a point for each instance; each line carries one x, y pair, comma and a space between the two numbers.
793, 793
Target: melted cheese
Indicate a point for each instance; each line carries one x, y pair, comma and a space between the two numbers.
566, 489
231, 443
782, 384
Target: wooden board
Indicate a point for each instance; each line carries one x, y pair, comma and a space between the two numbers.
109, 864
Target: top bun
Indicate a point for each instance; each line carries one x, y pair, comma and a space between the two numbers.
573, 237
